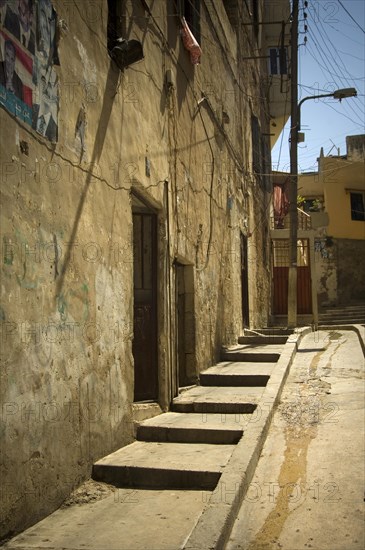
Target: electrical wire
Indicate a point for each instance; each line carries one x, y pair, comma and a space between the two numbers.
236, 82
335, 62
356, 122
349, 14
239, 164
330, 63
351, 38
357, 110
342, 79
282, 133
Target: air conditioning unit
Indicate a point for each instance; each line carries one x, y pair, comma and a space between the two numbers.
126, 52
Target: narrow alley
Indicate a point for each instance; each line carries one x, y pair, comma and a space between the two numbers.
174, 229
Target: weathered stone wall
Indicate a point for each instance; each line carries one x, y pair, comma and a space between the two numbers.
350, 271
339, 260
355, 147
67, 370
340, 270
325, 258
66, 222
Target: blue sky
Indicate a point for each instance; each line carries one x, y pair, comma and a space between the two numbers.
333, 58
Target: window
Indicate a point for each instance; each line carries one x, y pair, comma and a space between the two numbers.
255, 14
311, 205
232, 11
123, 50
266, 163
190, 9
256, 145
278, 61
357, 206
116, 9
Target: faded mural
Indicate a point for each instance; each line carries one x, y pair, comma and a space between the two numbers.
28, 80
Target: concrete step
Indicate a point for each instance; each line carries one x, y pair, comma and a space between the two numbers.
126, 519
270, 331
226, 429
253, 353
263, 339
353, 314
342, 321
235, 374
228, 400
342, 314
164, 465
333, 309
348, 319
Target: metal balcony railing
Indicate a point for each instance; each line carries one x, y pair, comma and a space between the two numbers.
304, 221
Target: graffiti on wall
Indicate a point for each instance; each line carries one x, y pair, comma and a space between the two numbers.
28, 80
322, 247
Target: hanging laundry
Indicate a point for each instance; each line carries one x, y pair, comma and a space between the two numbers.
190, 43
281, 204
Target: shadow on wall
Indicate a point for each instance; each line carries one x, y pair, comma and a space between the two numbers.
108, 101
184, 69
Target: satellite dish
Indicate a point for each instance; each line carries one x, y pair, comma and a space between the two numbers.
126, 52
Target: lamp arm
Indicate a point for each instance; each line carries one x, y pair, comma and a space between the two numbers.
306, 99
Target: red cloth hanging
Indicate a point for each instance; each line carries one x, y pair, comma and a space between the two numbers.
190, 43
281, 203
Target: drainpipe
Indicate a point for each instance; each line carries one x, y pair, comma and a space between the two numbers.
169, 320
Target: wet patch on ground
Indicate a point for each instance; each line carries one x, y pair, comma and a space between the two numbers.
302, 414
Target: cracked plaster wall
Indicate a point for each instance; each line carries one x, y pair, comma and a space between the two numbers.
67, 261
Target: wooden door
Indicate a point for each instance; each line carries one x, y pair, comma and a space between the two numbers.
244, 282
145, 350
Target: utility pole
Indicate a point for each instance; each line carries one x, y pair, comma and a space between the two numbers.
293, 189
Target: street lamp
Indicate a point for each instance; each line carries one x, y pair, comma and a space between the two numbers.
293, 213
343, 93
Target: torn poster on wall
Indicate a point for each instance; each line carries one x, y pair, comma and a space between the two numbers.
28, 80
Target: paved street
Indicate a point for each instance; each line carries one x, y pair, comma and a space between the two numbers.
308, 488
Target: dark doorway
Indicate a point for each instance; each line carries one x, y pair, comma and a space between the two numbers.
244, 282
145, 350
185, 325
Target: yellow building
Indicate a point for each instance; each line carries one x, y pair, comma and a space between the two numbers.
335, 198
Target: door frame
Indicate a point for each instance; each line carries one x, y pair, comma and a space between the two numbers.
245, 303
184, 333
148, 306
281, 276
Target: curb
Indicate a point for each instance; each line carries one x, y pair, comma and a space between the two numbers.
214, 526
359, 329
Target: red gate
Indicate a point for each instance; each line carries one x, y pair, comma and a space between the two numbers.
281, 275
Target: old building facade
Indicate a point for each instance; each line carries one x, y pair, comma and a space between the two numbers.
135, 197
335, 199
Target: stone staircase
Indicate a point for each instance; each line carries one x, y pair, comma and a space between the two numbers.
189, 447
181, 483
343, 315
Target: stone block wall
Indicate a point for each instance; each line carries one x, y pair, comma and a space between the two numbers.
67, 368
